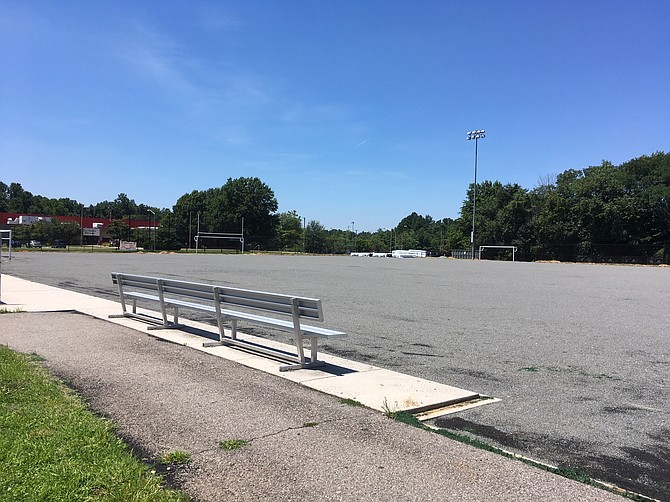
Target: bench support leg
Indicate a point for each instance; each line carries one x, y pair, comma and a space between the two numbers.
299, 344
302, 364
164, 314
220, 322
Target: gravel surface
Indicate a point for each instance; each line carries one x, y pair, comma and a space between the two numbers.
579, 354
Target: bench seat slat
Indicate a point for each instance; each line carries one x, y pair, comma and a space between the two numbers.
190, 305
283, 324
143, 296
245, 316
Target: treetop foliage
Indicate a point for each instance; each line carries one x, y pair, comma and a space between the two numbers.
591, 213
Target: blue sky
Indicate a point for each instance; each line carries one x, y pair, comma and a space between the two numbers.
349, 110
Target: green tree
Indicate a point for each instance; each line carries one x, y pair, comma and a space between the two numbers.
118, 229
502, 216
647, 180
604, 210
66, 230
315, 238
165, 233
247, 198
186, 212
290, 231
222, 210
338, 241
22, 233
18, 199
4, 189
123, 206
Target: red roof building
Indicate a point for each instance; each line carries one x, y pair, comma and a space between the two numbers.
8, 220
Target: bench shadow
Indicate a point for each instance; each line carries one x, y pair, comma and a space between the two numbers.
198, 332
334, 369
258, 349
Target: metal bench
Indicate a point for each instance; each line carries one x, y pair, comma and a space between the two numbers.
288, 312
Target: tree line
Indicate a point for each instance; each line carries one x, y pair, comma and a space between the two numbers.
598, 213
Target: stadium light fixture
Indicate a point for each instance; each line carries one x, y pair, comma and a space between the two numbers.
476, 135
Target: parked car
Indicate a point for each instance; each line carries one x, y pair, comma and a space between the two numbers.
16, 243
34, 244
59, 243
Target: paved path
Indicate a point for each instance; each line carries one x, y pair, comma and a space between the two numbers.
304, 445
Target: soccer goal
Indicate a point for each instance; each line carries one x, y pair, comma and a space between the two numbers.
513, 248
221, 236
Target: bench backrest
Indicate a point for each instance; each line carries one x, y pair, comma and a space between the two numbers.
135, 282
309, 308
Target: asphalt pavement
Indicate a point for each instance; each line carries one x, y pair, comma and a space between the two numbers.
301, 445
578, 354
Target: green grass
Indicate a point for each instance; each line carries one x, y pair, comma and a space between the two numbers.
15, 310
232, 444
350, 402
52, 448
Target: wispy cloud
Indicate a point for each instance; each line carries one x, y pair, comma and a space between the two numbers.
361, 143
210, 86
156, 57
232, 104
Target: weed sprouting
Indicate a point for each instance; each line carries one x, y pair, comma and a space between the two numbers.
175, 457
391, 412
232, 444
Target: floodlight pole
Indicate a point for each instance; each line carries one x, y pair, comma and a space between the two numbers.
476, 135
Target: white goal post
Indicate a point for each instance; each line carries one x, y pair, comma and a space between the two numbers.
513, 248
6, 235
216, 235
